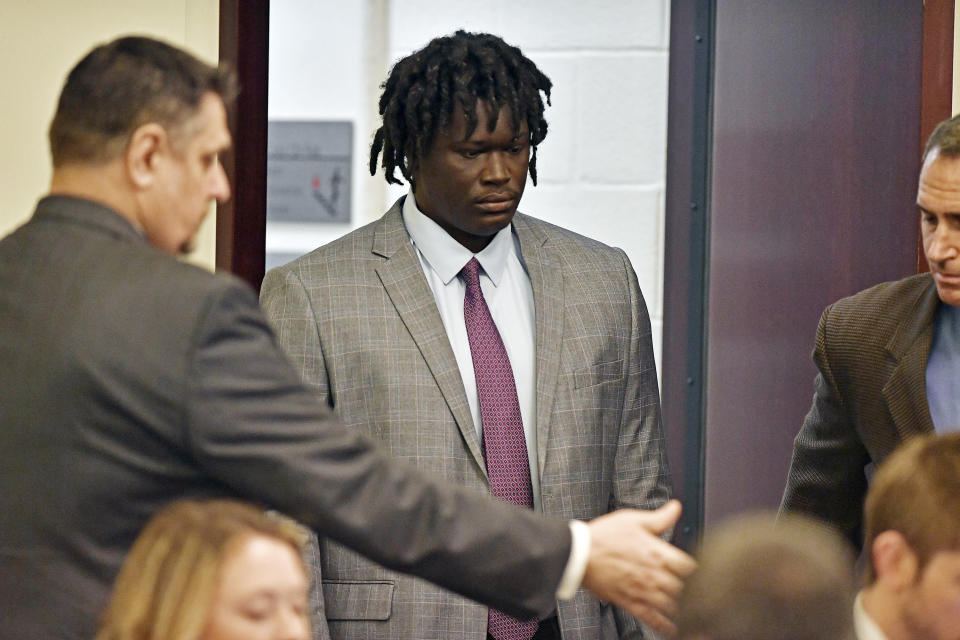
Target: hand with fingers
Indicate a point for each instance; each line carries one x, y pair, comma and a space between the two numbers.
633, 568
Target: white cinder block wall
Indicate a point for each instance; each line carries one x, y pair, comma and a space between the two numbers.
601, 168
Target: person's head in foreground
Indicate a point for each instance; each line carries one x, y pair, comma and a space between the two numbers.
912, 533
462, 119
211, 570
760, 578
138, 128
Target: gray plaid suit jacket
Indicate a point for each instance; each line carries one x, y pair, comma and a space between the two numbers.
359, 321
870, 395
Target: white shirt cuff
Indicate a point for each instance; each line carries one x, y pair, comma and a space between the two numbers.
577, 563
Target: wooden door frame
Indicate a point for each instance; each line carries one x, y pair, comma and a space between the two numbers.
937, 80
242, 221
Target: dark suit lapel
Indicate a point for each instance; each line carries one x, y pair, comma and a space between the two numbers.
402, 277
546, 277
905, 391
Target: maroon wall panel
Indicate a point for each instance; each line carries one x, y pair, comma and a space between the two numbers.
242, 222
815, 158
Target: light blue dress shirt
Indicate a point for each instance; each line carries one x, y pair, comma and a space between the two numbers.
943, 370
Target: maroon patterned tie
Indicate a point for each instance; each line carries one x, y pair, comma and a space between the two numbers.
504, 445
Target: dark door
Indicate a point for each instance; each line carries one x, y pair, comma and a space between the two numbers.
800, 142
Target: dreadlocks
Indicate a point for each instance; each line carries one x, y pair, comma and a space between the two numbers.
424, 88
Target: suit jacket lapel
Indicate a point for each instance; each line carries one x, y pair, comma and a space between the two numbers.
402, 277
546, 277
905, 391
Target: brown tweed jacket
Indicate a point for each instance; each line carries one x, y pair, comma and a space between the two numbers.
870, 395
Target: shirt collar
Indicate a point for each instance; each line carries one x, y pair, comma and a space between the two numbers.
946, 313
90, 214
864, 626
447, 256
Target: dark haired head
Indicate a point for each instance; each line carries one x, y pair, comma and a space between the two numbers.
123, 84
453, 72
945, 139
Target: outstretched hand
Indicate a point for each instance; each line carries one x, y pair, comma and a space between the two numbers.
633, 568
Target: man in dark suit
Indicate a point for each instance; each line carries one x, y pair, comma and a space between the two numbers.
130, 379
375, 323
888, 360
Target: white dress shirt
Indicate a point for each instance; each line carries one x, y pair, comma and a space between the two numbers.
509, 296
863, 625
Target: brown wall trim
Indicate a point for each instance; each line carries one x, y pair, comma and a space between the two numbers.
241, 222
937, 78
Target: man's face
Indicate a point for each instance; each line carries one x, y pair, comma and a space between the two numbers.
471, 186
188, 179
931, 606
938, 199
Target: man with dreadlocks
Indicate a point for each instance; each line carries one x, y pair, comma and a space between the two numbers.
482, 344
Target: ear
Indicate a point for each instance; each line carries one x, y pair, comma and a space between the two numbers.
894, 561
144, 154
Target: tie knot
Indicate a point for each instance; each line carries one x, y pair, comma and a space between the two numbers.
471, 273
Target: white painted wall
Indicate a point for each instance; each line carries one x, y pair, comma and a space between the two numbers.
322, 67
40, 41
601, 168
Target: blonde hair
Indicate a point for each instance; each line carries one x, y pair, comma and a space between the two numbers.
916, 492
166, 585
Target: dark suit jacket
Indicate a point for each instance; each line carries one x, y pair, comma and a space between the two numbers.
870, 395
130, 379
359, 321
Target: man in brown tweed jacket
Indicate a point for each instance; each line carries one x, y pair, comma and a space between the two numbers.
887, 359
